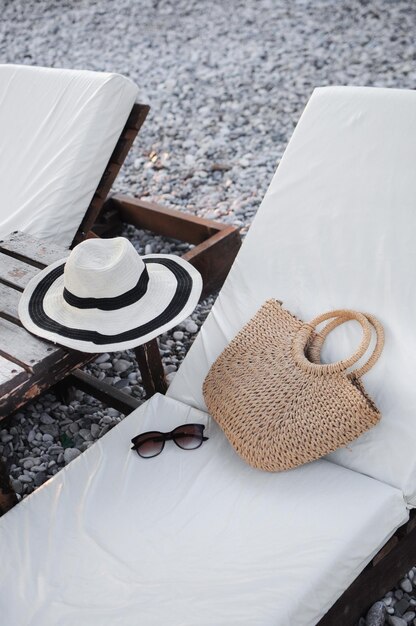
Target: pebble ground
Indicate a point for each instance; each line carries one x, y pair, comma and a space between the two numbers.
227, 82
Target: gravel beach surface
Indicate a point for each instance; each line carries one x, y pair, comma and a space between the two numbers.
227, 82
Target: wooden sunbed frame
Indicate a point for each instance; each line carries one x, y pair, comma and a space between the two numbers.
215, 246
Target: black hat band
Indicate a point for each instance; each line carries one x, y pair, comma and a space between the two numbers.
111, 304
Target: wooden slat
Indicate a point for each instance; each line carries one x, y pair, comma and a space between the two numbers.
130, 130
164, 221
25, 349
137, 116
11, 376
15, 272
8, 371
123, 146
41, 380
102, 391
107, 180
109, 224
213, 258
9, 300
151, 368
31, 250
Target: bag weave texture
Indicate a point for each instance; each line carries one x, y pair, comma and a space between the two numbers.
276, 403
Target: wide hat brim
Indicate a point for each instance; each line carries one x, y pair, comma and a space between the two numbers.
173, 291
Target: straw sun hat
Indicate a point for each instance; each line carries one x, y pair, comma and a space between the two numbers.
105, 297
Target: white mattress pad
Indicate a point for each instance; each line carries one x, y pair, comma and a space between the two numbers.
188, 537
58, 129
336, 230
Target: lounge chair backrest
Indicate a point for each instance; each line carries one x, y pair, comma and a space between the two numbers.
58, 129
336, 230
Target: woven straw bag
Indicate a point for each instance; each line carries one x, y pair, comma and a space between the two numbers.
276, 403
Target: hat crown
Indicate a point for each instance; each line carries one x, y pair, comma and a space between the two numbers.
102, 268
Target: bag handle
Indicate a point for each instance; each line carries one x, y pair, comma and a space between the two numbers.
314, 350
301, 339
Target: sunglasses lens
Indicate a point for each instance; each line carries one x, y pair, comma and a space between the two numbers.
150, 445
188, 436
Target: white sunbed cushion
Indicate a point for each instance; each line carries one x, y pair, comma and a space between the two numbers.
58, 129
336, 230
189, 537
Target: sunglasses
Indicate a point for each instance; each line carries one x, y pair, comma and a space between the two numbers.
187, 437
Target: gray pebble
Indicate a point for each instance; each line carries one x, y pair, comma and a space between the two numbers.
40, 479
121, 366
46, 419
17, 485
376, 615
95, 430
103, 358
406, 585
122, 383
70, 454
393, 620
51, 429
39, 468
178, 335
31, 436
24, 478
85, 434
401, 606
409, 616
191, 327
55, 449
105, 366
